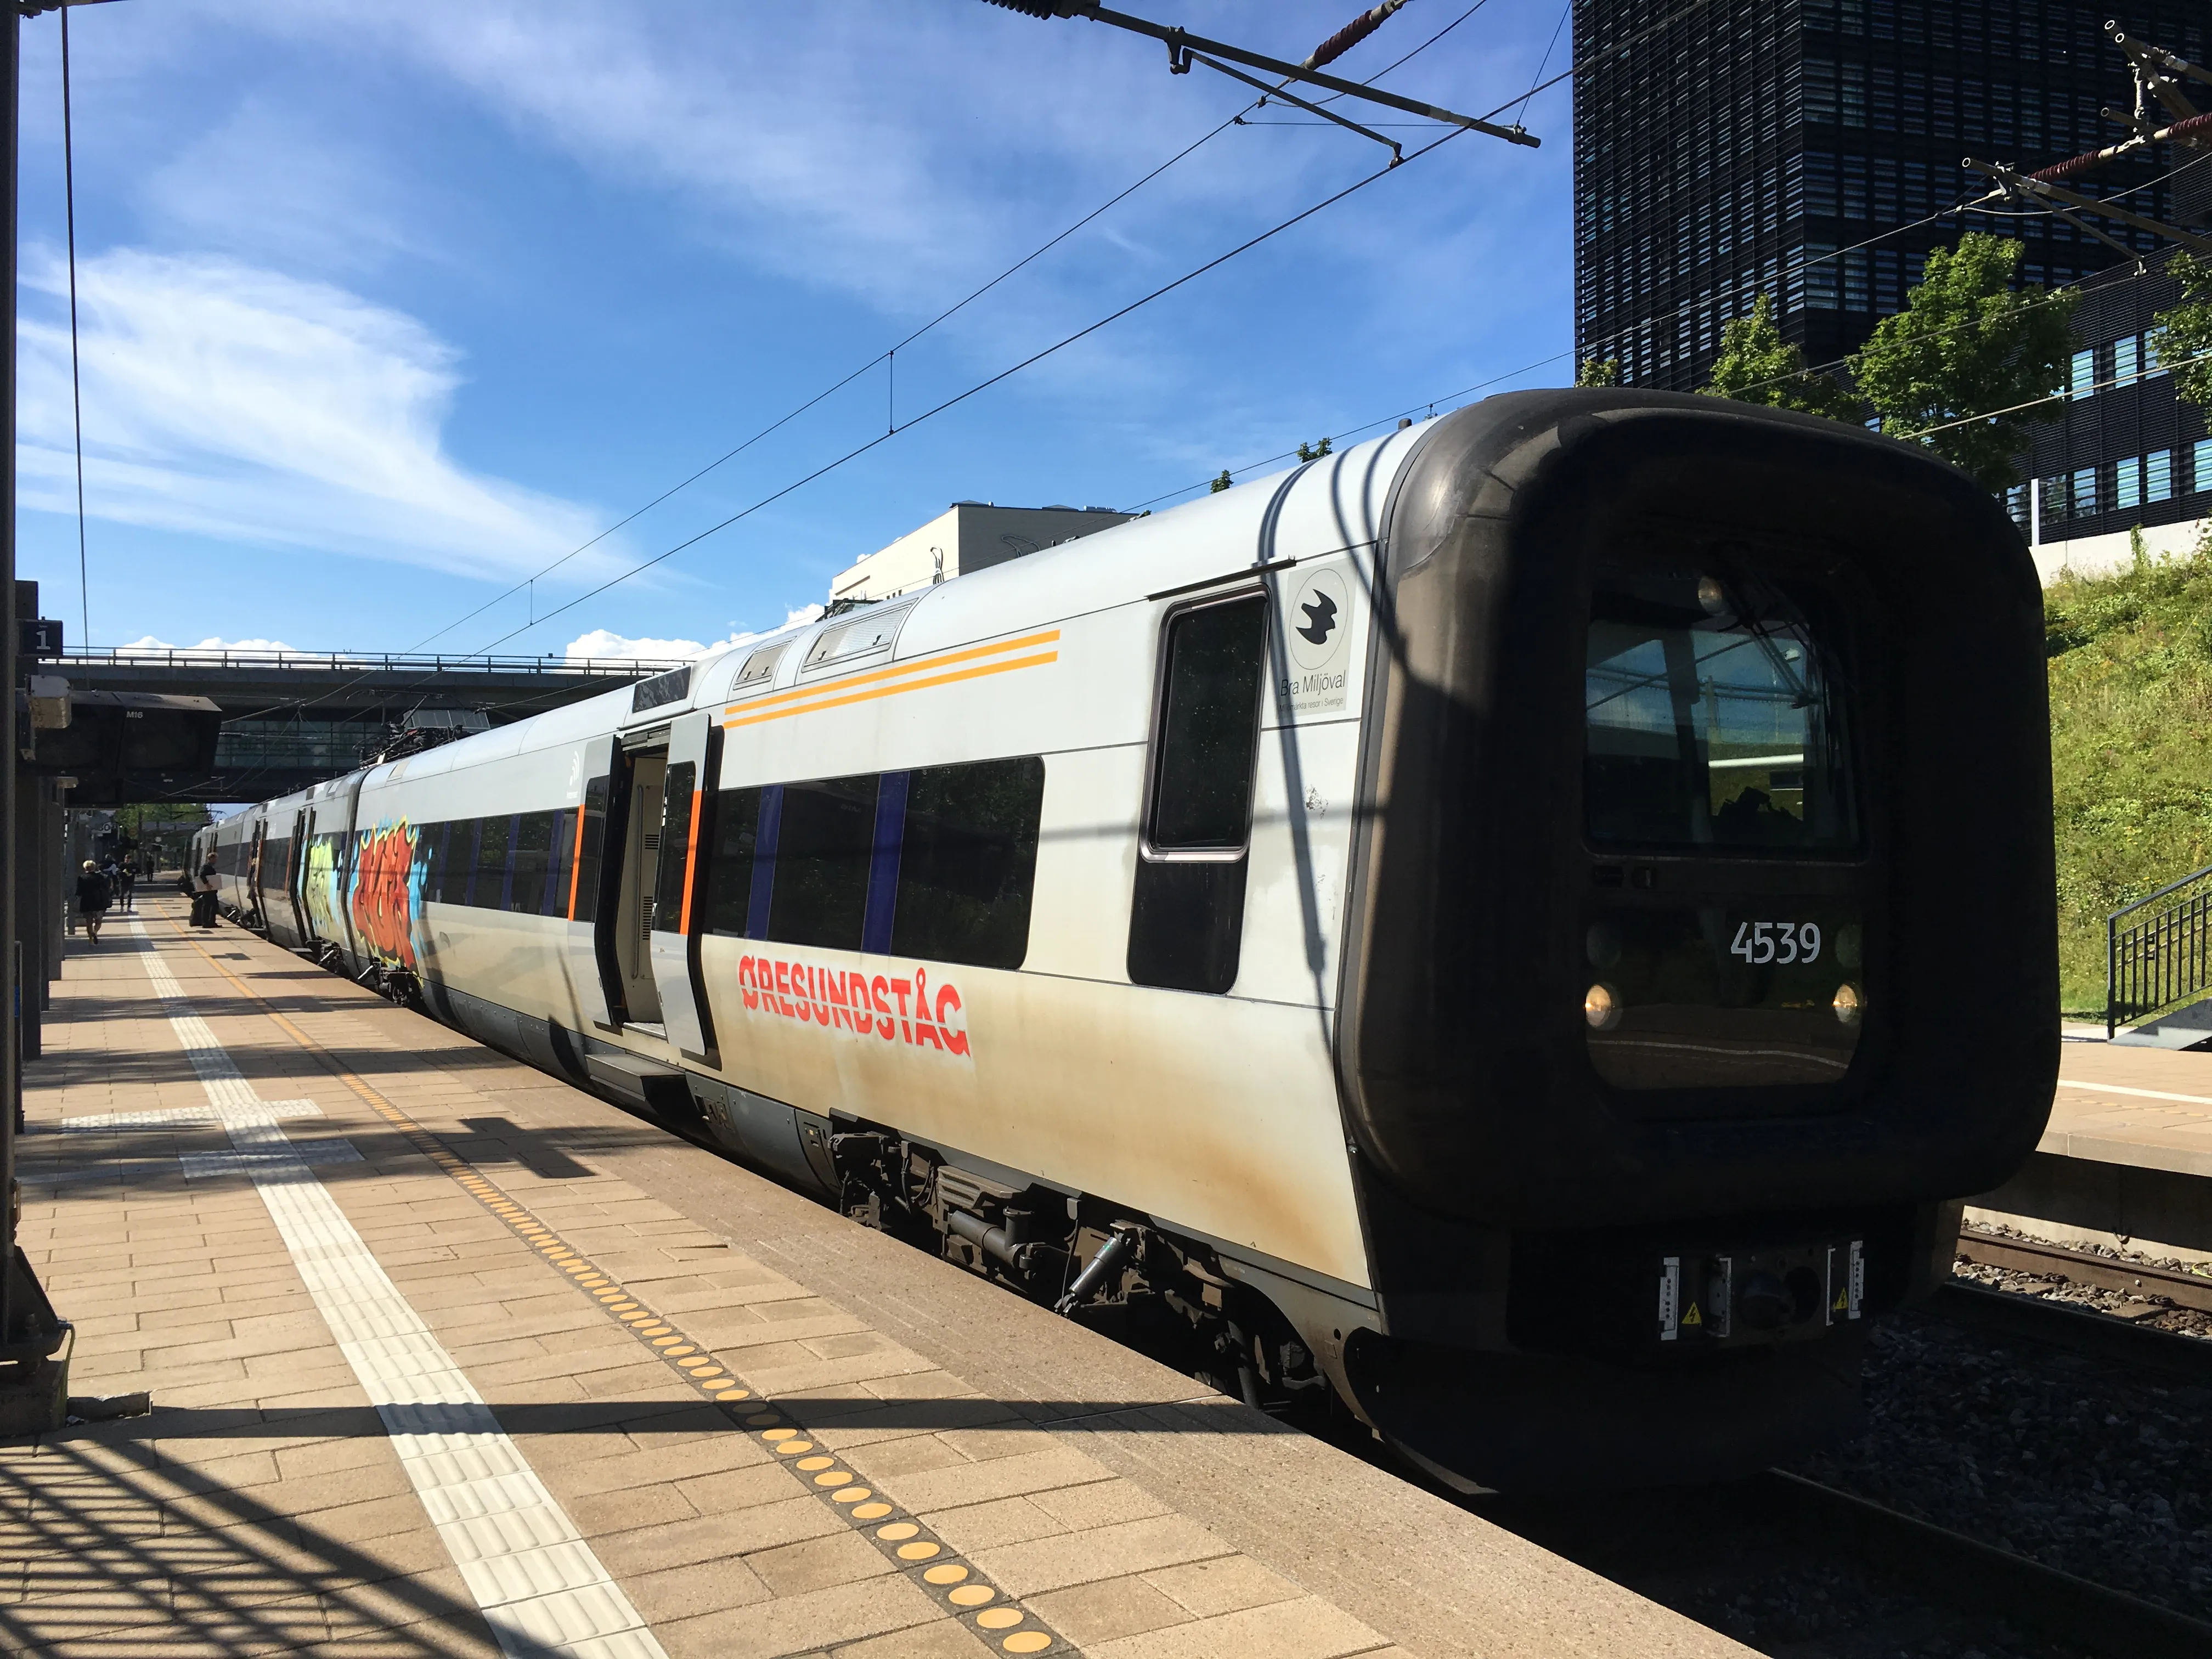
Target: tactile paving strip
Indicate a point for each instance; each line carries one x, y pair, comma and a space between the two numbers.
965, 1592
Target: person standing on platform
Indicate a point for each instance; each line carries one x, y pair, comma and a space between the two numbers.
205, 889
126, 880
94, 892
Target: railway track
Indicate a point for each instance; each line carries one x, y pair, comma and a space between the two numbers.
1974, 1577
2083, 1330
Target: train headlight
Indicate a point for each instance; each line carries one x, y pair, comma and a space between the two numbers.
1601, 1007
1847, 1003
1712, 596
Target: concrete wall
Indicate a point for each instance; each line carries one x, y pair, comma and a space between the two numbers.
2096, 555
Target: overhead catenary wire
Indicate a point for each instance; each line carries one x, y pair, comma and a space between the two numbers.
984, 385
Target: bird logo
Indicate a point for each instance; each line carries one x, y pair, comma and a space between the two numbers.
1321, 618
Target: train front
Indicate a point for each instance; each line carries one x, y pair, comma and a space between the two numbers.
1702, 946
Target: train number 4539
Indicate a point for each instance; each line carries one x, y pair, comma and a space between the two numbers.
1761, 942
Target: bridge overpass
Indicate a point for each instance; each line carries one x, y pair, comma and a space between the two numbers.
291, 718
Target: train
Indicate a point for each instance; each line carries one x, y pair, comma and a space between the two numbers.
1517, 937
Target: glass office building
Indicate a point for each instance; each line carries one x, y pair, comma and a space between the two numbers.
1810, 149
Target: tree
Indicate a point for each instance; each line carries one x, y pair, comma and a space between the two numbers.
1313, 452
2185, 331
1599, 371
1758, 366
1967, 346
1220, 483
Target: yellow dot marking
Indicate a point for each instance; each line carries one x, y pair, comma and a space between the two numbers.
850, 1495
618, 1306
816, 1462
835, 1478
871, 1511
697, 1363
734, 1394
896, 1530
663, 1341
592, 1280
792, 1448
1026, 1641
921, 1552
999, 1617
679, 1348
970, 1596
611, 1296
778, 1434
762, 1419
950, 1573
640, 1320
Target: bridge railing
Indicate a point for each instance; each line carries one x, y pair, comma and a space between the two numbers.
2158, 951
187, 656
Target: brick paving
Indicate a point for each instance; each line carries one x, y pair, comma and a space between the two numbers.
769, 1432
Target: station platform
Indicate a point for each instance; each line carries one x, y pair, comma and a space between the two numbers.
448, 1358
2127, 1157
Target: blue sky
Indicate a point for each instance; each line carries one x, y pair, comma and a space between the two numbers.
384, 309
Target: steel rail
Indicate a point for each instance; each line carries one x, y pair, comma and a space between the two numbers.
1966, 1573
2079, 1330
2101, 1273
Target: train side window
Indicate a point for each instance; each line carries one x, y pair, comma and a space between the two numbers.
824, 843
590, 838
560, 838
533, 856
676, 792
730, 875
495, 857
967, 862
1187, 911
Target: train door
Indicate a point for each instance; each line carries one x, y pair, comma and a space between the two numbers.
295, 858
250, 902
641, 872
1186, 912
677, 912
602, 780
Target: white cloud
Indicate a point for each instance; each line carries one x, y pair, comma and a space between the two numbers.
605, 643
228, 401
213, 645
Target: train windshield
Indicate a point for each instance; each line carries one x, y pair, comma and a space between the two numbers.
1713, 715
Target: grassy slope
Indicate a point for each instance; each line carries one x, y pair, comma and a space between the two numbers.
2130, 747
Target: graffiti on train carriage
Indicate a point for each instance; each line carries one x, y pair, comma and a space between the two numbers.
318, 886
387, 892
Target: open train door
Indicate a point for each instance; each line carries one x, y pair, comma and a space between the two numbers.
602, 773
296, 860
694, 754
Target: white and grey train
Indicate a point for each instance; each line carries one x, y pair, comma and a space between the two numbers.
1522, 931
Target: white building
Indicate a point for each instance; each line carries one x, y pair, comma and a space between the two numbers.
967, 536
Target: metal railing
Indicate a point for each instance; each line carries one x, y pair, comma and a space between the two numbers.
2161, 958
186, 656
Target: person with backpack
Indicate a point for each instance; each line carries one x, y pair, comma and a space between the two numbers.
93, 894
205, 886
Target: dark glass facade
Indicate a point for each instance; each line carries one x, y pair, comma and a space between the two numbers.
1721, 156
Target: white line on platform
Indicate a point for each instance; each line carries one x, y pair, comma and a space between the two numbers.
2148, 1094
543, 1590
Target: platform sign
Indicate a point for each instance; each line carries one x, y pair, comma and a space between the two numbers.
38, 636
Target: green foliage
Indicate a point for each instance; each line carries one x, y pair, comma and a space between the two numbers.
1220, 483
2131, 665
1758, 366
1313, 452
2185, 331
1967, 344
1599, 371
